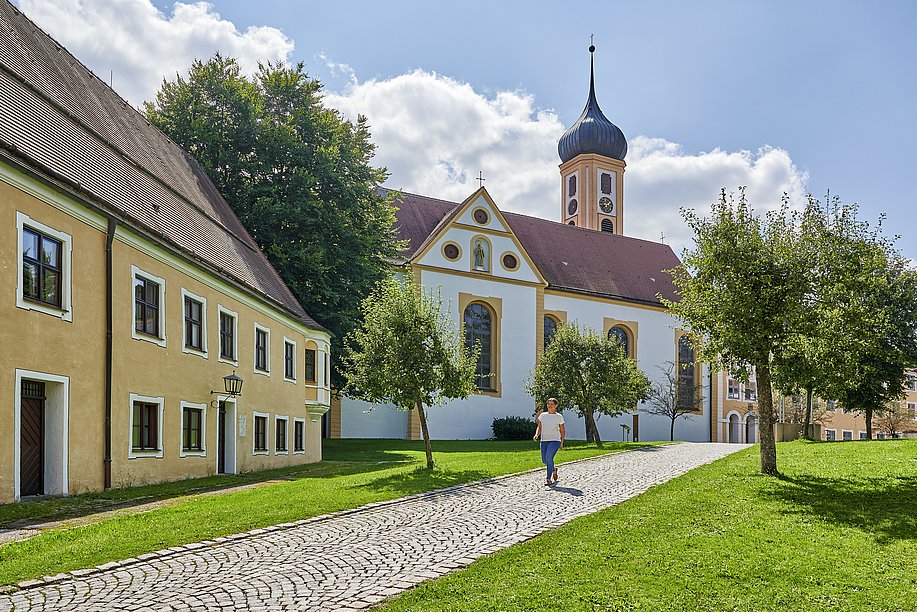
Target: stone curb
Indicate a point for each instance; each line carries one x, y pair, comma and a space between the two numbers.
165, 553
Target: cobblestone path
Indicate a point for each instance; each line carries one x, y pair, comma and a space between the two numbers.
355, 559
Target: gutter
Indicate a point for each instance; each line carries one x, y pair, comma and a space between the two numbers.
106, 462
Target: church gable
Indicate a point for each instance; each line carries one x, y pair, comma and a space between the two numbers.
476, 239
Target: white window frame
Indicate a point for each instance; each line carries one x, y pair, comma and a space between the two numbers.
267, 354
184, 340
135, 272
287, 341
846, 431
65, 312
880, 435
304, 429
911, 410
863, 435
235, 335
267, 433
286, 426
181, 430
131, 453
833, 433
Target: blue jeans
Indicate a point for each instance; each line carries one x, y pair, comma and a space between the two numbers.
548, 450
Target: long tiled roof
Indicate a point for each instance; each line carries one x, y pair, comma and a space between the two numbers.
59, 120
570, 258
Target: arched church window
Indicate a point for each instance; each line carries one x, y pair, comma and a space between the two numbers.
685, 373
479, 328
571, 186
607, 226
550, 328
620, 334
481, 255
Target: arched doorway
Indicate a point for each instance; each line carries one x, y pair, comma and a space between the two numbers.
751, 429
734, 429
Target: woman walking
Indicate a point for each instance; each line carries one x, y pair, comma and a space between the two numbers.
551, 431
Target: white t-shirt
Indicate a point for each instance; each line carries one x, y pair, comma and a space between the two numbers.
550, 426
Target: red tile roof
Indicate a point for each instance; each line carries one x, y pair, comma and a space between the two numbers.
571, 259
60, 121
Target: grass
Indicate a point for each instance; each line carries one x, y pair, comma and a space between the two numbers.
837, 531
354, 472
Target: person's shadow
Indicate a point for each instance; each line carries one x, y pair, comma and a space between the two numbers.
567, 490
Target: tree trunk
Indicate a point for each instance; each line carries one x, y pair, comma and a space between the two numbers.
591, 427
672, 430
766, 422
808, 417
426, 435
869, 423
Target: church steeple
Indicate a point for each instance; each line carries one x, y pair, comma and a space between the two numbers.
592, 155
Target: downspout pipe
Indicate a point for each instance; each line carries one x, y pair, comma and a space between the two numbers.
106, 462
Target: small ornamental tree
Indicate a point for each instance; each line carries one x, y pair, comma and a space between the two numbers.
589, 373
664, 395
892, 419
407, 352
742, 289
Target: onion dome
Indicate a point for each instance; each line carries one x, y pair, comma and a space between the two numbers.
592, 132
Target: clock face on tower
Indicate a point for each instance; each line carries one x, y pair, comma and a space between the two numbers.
606, 205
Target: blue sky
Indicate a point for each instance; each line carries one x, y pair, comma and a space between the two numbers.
795, 96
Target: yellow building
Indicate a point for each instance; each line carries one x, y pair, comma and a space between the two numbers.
130, 292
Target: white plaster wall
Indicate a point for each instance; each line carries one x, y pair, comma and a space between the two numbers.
467, 217
463, 237
655, 346
363, 420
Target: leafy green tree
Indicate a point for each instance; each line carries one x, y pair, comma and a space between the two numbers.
663, 398
589, 373
297, 174
407, 352
741, 291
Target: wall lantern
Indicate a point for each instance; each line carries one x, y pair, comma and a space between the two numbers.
232, 385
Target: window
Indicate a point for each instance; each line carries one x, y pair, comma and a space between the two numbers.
280, 440
571, 186
912, 410
228, 335
911, 383
550, 328
41, 267
193, 428
847, 435
195, 329
880, 435
310, 365
479, 329
299, 435
830, 435
147, 300
289, 359
732, 389
863, 435
685, 377
262, 350
607, 226
43, 283
620, 334
831, 405
327, 367
751, 389
260, 438
606, 183
145, 426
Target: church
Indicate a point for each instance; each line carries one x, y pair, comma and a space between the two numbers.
510, 280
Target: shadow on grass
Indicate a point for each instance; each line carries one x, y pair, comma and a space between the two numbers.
420, 480
884, 508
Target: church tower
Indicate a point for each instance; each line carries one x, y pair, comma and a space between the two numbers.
592, 168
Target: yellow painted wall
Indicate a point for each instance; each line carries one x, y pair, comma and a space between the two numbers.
36, 341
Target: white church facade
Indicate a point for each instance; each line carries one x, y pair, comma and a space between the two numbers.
510, 279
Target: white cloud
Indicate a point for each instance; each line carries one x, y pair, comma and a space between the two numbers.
141, 45
434, 134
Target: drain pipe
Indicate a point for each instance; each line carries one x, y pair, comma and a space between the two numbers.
106, 462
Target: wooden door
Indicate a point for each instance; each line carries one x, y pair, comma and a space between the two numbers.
31, 439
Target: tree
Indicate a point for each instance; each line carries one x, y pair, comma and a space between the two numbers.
666, 395
741, 291
590, 373
407, 352
892, 420
297, 175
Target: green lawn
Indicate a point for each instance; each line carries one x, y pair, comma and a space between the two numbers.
838, 531
354, 472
